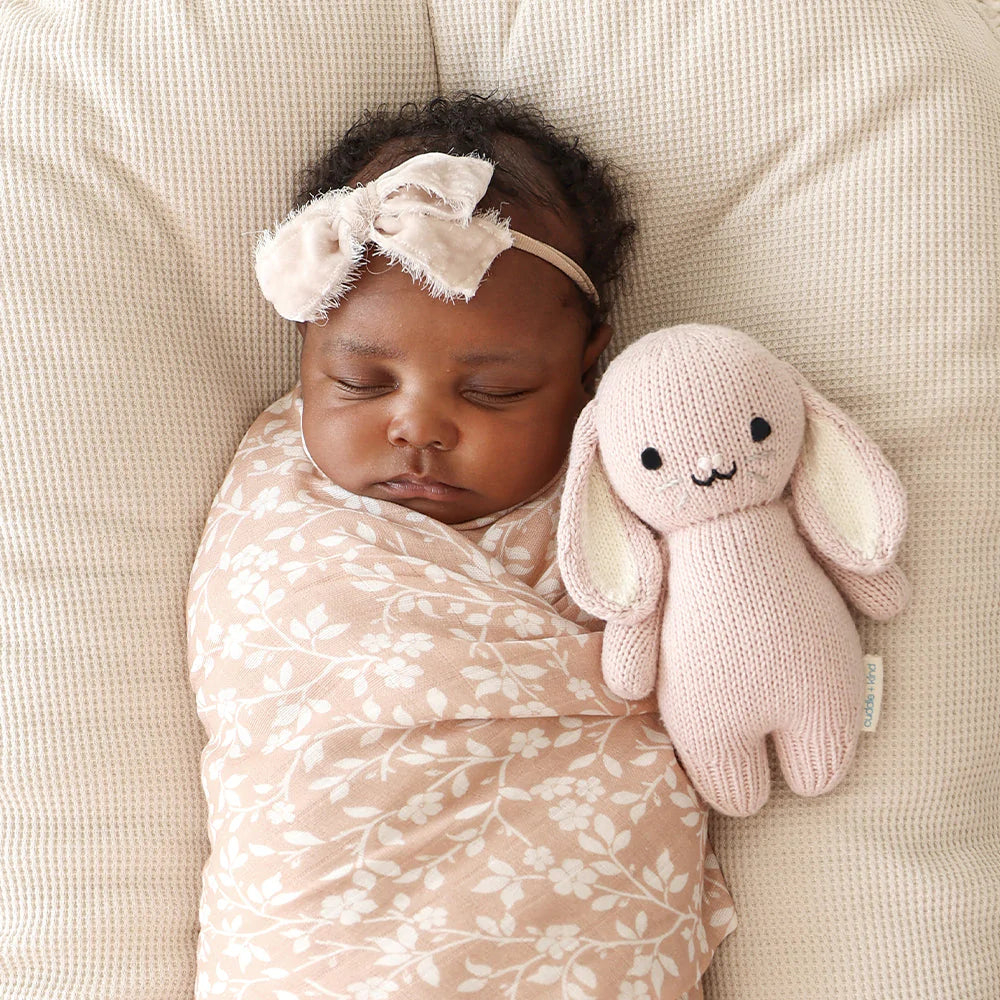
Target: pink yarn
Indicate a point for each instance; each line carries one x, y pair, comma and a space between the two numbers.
717, 513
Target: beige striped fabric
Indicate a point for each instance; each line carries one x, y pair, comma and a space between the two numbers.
822, 176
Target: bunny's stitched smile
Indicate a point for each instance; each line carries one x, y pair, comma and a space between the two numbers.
715, 475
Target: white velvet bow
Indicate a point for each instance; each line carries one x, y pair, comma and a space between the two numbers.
418, 214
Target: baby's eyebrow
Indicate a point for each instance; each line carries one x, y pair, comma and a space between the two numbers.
361, 348
489, 358
345, 344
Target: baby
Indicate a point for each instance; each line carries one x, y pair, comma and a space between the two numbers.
418, 784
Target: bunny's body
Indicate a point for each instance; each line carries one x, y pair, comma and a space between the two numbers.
716, 508
735, 663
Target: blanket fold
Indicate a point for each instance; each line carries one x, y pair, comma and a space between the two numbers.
418, 784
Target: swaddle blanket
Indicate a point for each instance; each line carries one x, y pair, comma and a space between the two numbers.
417, 783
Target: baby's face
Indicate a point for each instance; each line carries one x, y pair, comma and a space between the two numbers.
456, 410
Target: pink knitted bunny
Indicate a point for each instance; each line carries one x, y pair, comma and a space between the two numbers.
718, 584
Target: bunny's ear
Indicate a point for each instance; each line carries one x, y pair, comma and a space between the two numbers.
845, 496
610, 561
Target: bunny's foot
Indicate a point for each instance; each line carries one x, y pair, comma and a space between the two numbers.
815, 764
732, 780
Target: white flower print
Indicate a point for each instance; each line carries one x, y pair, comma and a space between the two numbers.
430, 917
376, 988
265, 560
571, 815
412, 644
267, 500
553, 788
581, 688
419, 808
350, 501
573, 878
591, 789
281, 813
246, 952
226, 705
539, 858
348, 907
245, 558
528, 744
232, 644
526, 624
254, 557
558, 941
398, 673
633, 990
529, 710
372, 643
243, 583
472, 712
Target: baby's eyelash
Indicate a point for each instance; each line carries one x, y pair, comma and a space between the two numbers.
498, 397
360, 388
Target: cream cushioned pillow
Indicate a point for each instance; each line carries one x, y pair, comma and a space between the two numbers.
143, 146
823, 177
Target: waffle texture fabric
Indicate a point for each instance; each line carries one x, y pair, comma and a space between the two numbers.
823, 178
144, 147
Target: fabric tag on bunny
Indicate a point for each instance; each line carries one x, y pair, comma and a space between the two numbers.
873, 693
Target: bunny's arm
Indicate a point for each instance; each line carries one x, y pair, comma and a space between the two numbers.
880, 595
631, 655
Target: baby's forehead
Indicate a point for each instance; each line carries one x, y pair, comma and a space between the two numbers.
522, 307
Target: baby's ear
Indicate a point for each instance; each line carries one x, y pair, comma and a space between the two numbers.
610, 562
845, 496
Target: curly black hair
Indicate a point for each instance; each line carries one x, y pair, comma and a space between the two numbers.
571, 181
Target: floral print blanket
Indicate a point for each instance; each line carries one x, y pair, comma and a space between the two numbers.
417, 784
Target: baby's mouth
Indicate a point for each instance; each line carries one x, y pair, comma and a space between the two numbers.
414, 487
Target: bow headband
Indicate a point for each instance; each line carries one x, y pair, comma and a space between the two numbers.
419, 215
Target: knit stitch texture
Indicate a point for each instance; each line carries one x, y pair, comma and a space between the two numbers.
698, 431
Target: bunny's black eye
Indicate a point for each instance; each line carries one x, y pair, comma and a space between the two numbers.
759, 429
651, 458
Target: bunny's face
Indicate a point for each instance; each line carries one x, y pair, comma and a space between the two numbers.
697, 422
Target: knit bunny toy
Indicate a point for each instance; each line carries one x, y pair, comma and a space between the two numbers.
717, 513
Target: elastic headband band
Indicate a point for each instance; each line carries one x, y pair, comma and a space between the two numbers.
557, 258
419, 215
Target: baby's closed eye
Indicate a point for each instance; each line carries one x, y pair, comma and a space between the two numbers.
495, 395
355, 388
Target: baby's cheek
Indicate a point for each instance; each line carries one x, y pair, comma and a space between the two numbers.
342, 447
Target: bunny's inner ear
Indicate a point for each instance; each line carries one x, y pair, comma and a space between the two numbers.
846, 497
604, 536
610, 562
842, 487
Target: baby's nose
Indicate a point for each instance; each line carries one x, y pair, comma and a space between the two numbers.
707, 463
420, 424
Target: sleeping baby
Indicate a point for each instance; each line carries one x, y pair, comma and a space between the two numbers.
418, 784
